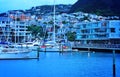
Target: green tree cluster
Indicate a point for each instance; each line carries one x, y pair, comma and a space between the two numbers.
71, 35
36, 31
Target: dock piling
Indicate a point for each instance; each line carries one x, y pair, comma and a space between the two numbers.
114, 66
45, 49
38, 54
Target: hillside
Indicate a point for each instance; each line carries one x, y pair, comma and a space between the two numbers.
48, 8
42, 10
99, 7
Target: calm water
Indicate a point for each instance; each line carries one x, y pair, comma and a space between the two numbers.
62, 65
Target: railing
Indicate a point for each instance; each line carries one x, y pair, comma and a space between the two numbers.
99, 46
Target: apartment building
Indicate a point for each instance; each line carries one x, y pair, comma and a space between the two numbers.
13, 30
101, 32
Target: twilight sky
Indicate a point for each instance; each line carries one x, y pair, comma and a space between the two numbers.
6, 5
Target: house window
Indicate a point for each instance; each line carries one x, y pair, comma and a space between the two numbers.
112, 30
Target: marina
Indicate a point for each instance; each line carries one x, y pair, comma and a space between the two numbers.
49, 41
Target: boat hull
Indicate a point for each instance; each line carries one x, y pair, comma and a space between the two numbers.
17, 53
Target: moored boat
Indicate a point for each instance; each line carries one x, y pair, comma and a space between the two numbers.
12, 52
29, 45
51, 46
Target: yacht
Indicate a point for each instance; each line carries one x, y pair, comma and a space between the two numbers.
50, 46
29, 45
13, 52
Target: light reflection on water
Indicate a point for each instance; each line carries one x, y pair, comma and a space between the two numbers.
74, 64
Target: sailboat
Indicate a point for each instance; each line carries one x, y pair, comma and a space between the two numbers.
52, 45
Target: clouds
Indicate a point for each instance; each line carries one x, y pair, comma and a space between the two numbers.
25, 4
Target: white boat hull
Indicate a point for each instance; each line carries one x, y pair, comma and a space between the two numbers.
17, 53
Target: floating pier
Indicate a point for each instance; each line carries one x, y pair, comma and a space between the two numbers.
17, 58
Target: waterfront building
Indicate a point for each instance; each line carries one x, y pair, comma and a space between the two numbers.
100, 32
13, 31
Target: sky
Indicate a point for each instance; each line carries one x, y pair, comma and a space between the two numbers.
6, 5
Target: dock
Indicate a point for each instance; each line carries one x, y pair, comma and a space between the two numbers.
18, 58
97, 47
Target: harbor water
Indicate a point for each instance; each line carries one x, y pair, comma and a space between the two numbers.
55, 64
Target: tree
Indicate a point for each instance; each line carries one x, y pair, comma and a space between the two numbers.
51, 22
71, 36
64, 22
36, 31
45, 23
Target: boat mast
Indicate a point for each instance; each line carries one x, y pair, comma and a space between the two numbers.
8, 26
15, 26
54, 23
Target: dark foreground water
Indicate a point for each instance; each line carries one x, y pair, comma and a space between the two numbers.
75, 64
